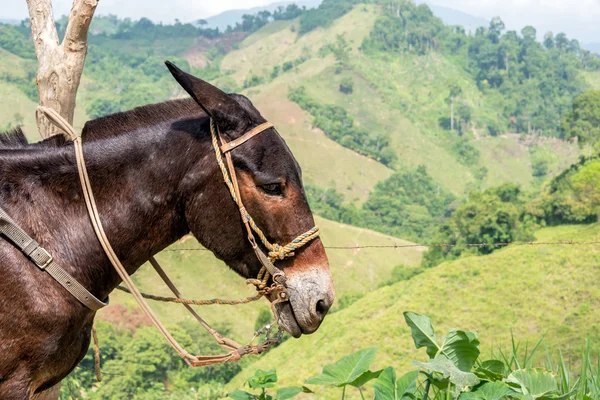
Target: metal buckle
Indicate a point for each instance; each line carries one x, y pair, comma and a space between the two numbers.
47, 263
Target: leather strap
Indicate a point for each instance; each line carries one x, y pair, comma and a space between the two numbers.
44, 261
226, 147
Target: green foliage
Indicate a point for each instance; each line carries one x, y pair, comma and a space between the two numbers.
100, 107
351, 370
347, 85
292, 11
583, 120
327, 12
493, 217
530, 86
411, 28
465, 152
17, 41
339, 126
573, 196
408, 204
454, 371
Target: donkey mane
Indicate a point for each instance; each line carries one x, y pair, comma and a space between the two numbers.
111, 125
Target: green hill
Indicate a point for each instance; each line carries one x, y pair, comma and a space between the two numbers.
405, 104
531, 290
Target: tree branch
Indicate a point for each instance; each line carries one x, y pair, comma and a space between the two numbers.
43, 30
80, 19
60, 65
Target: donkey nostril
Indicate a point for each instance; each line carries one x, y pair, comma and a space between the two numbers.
322, 308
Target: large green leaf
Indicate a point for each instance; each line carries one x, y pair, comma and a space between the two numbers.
446, 367
494, 391
364, 378
491, 370
462, 348
346, 370
535, 382
288, 393
385, 385
406, 386
422, 332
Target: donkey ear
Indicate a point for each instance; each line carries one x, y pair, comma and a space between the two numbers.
217, 104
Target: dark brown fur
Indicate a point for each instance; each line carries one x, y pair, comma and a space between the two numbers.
155, 178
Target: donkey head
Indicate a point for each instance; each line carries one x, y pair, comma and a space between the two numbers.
270, 182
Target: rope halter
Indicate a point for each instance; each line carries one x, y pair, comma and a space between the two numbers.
276, 251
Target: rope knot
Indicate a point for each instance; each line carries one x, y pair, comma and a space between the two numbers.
278, 253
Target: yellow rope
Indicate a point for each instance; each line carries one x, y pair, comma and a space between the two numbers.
198, 302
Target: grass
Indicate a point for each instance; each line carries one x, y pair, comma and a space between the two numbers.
531, 290
202, 276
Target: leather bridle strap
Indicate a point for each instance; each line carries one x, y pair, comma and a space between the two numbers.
245, 137
44, 261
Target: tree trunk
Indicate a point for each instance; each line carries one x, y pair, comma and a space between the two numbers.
60, 64
452, 115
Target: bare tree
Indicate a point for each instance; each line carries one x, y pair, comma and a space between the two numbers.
60, 64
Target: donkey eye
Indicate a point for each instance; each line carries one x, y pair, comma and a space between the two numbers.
273, 189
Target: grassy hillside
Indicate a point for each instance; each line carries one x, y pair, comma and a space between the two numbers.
202, 276
406, 104
531, 290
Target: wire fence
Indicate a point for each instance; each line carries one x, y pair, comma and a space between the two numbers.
412, 245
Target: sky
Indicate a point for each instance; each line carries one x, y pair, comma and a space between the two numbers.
578, 18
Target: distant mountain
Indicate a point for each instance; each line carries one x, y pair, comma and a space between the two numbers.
593, 47
451, 16
10, 21
230, 17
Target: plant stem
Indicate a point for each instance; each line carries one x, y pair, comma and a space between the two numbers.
344, 393
361, 394
426, 392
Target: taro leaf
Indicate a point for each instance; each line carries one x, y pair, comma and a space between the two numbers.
385, 385
387, 388
288, 393
407, 383
406, 386
491, 370
364, 378
535, 382
241, 395
462, 348
346, 370
494, 391
447, 368
422, 332
263, 379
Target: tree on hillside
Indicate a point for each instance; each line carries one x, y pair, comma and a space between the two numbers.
454, 92
583, 121
60, 64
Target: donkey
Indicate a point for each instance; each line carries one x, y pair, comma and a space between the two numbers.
155, 178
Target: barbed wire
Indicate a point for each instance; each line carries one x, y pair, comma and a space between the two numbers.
412, 245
